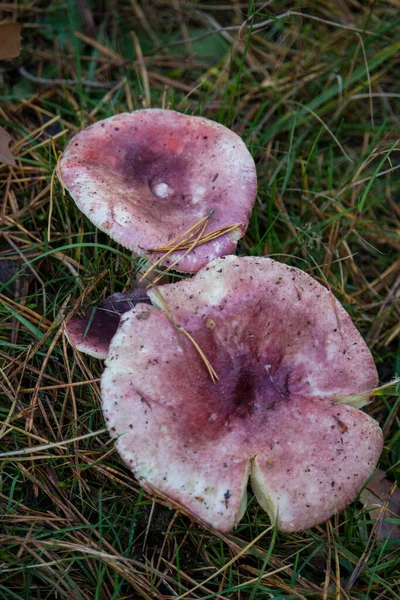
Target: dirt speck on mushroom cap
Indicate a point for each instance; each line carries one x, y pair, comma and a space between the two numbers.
146, 176
283, 349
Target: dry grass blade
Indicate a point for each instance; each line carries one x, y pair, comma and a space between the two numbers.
143, 69
47, 388
52, 180
338, 587
363, 560
213, 375
188, 240
173, 264
241, 553
6, 455
188, 234
362, 399
203, 239
328, 563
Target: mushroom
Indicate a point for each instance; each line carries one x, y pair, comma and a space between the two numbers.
145, 177
93, 332
283, 349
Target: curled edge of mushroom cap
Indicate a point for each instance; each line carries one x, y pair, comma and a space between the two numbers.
145, 177
93, 332
283, 349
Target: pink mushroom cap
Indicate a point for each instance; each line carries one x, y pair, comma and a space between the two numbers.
145, 177
284, 349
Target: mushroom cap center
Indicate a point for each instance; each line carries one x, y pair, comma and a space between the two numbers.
162, 190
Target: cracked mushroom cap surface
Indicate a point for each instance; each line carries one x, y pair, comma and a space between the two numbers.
283, 349
145, 177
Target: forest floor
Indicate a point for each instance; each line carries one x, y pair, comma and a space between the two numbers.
313, 90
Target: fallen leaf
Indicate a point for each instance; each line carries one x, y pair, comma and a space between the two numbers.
5, 154
382, 496
10, 36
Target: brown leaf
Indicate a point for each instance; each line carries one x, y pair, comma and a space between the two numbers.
5, 154
10, 36
381, 498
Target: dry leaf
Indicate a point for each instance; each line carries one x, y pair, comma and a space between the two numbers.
378, 492
10, 36
5, 154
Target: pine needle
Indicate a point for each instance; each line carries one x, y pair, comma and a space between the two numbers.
171, 266
209, 367
210, 236
185, 235
213, 375
188, 240
51, 203
173, 245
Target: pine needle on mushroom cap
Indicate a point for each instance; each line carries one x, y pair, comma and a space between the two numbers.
197, 229
209, 367
211, 235
188, 240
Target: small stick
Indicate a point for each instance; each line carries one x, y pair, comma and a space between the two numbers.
57, 81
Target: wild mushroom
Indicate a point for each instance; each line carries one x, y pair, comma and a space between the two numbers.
283, 349
146, 176
93, 332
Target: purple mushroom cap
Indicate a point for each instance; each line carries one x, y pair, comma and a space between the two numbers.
93, 332
283, 349
147, 176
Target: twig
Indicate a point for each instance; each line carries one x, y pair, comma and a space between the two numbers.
52, 445
57, 81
